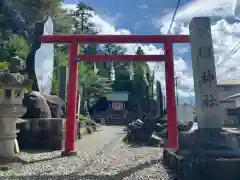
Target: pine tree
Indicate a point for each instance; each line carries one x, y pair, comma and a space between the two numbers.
81, 18
143, 65
139, 51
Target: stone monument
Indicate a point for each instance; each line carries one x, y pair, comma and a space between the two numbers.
44, 58
12, 85
207, 150
204, 73
39, 62
208, 132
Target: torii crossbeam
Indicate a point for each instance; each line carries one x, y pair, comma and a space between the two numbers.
74, 58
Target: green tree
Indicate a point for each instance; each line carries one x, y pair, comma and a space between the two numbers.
5, 26
87, 76
17, 46
37, 10
111, 49
18, 16
81, 18
92, 49
63, 21
91, 85
14, 46
105, 67
60, 59
141, 84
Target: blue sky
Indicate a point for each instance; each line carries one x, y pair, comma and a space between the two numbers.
154, 16
135, 15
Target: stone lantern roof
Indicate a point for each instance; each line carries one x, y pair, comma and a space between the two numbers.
8, 79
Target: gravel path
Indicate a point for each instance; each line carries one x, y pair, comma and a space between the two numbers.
101, 156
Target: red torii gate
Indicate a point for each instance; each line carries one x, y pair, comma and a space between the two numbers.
74, 58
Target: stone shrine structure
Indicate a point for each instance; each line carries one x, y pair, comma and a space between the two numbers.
12, 87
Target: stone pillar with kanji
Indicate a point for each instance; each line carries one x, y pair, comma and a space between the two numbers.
204, 74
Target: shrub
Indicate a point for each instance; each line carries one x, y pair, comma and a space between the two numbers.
83, 118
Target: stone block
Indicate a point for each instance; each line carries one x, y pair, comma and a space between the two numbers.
82, 124
47, 134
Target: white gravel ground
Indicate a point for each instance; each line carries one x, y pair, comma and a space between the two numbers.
101, 156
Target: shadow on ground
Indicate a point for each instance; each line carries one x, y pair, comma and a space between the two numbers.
75, 175
43, 160
136, 144
19, 162
35, 150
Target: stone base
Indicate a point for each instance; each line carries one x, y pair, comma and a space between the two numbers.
7, 147
206, 139
45, 134
7, 136
10, 162
13, 159
69, 153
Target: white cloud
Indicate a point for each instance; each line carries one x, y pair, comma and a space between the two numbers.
181, 69
105, 28
225, 33
142, 6
219, 8
111, 19
69, 6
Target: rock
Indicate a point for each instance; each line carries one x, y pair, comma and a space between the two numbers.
40, 105
46, 128
37, 106
186, 126
56, 105
89, 130
92, 124
54, 137
153, 130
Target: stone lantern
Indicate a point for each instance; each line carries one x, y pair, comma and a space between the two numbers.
12, 87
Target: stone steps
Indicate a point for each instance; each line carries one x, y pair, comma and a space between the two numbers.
115, 121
